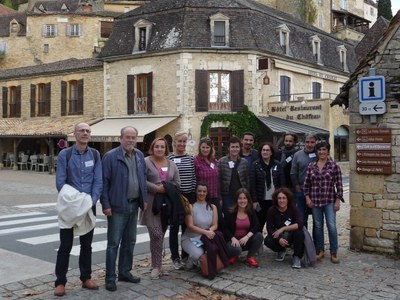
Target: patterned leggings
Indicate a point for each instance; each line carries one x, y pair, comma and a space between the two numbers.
156, 246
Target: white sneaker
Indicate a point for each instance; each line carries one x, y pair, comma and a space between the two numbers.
155, 274
281, 255
177, 264
296, 262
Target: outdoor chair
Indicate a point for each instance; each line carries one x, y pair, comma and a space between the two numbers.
23, 162
33, 162
44, 164
12, 161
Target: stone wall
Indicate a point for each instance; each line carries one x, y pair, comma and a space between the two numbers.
375, 199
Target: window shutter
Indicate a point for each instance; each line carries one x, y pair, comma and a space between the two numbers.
201, 90
63, 98
5, 102
33, 100
130, 85
237, 85
55, 30
44, 30
285, 88
69, 27
150, 93
18, 104
79, 106
47, 101
316, 89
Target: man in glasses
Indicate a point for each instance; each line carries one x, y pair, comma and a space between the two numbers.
79, 183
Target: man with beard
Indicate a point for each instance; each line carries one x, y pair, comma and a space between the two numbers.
285, 158
247, 152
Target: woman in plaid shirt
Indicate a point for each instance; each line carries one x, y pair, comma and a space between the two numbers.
323, 190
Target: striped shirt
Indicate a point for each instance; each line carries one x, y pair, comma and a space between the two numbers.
325, 185
185, 164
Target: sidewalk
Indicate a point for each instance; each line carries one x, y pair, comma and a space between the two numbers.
358, 276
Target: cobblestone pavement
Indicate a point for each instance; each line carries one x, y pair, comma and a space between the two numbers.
358, 276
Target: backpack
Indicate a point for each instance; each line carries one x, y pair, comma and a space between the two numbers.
94, 152
310, 257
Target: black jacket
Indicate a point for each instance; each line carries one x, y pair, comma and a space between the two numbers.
230, 225
257, 179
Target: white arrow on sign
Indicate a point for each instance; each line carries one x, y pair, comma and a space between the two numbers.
372, 108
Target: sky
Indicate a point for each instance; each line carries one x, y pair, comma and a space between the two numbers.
395, 6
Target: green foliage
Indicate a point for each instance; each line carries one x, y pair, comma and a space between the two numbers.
239, 122
385, 9
308, 11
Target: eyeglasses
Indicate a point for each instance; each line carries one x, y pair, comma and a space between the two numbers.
84, 130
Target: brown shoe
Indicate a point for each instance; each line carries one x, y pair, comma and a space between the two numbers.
59, 291
90, 285
320, 255
334, 258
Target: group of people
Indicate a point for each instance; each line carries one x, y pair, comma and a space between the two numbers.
221, 206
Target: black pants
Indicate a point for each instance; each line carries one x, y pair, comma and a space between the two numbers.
85, 256
262, 213
295, 238
214, 247
253, 244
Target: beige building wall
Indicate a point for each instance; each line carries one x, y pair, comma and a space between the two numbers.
15, 59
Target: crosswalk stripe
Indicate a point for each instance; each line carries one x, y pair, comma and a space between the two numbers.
29, 220
27, 228
22, 215
102, 245
35, 205
50, 238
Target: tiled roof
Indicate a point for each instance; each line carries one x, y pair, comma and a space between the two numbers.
72, 7
72, 64
4, 10
279, 125
61, 126
252, 28
5, 24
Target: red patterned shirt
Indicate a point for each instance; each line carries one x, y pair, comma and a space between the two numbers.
207, 172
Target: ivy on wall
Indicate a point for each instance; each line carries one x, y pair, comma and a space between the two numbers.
239, 122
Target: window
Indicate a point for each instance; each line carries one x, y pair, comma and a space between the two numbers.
372, 11
139, 93
3, 48
64, 8
106, 28
316, 48
49, 30
12, 102
283, 32
285, 88
46, 48
219, 25
343, 57
219, 90
262, 64
142, 35
321, 21
316, 90
344, 4
40, 99
220, 137
341, 144
72, 97
14, 27
73, 29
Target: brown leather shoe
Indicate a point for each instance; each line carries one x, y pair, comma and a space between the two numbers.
59, 291
90, 285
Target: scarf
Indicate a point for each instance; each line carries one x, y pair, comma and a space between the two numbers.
267, 170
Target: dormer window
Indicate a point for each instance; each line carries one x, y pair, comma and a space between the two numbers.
316, 48
42, 8
64, 8
219, 25
283, 32
343, 57
142, 35
14, 27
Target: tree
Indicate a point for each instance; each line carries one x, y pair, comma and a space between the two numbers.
385, 9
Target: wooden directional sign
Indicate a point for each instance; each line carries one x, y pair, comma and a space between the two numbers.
374, 150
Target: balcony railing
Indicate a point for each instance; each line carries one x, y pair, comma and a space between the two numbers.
141, 105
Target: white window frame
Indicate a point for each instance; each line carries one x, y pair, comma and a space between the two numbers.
343, 57
219, 18
74, 29
316, 48
49, 30
139, 26
3, 48
284, 38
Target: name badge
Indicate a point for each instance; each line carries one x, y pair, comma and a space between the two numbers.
212, 165
231, 164
89, 163
312, 155
287, 222
289, 159
164, 169
177, 160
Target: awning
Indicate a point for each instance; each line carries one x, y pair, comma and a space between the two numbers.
281, 126
40, 126
109, 130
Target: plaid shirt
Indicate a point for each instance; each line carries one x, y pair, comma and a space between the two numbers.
205, 173
323, 186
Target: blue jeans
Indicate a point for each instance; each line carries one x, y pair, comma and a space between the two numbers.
227, 202
122, 228
330, 217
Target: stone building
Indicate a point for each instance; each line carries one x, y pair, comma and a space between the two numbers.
195, 58
375, 175
53, 31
